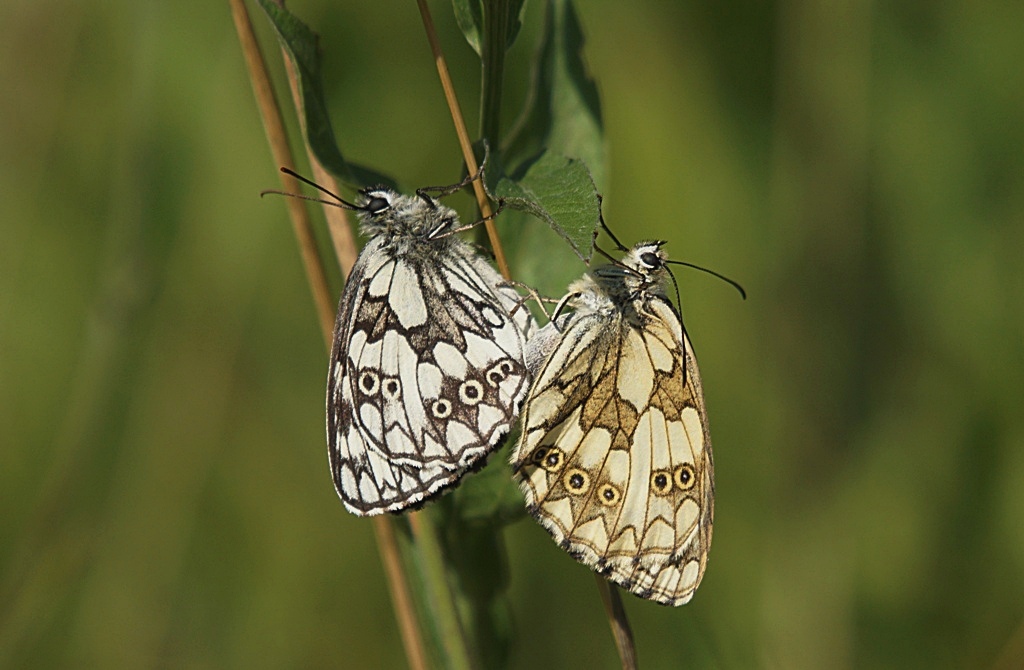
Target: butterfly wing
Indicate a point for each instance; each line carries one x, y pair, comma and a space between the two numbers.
426, 374
615, 457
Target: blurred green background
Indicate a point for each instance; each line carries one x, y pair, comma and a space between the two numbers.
858, 166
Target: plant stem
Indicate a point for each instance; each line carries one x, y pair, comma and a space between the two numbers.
621, 631
345, 249
493, 47
270, 113
463, 135
442, 601
277, 138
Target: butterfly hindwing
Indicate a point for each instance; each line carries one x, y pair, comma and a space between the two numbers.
615, 458
427, 368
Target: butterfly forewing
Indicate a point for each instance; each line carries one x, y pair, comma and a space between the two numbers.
427, 367
615, 458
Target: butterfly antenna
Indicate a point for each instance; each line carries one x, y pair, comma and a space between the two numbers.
676, 285
322, 201
337, 202
734, 284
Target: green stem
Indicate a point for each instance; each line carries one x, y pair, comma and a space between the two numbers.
454, 644
492, 61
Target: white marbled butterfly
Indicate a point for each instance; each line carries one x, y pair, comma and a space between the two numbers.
615, 456
427, 370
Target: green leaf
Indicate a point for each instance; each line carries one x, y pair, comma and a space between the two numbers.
563, 111
479, 572
490, 495
412, 563
490, 28
427, 564
469, 14
302, 45
559, 191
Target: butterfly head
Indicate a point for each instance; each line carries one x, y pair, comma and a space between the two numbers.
383, 211
647, 259
643, 270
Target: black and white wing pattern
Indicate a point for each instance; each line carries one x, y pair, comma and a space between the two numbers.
615, 456
427, 372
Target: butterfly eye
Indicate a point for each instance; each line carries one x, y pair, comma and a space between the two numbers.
494, 377
552, 461
650, 259
609, 495
392, 389
369, 382
471, 392
683, 477
442, 409
661, 482
576, 481
376, 205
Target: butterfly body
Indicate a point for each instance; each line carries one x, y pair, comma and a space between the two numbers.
426, 371
615, 457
